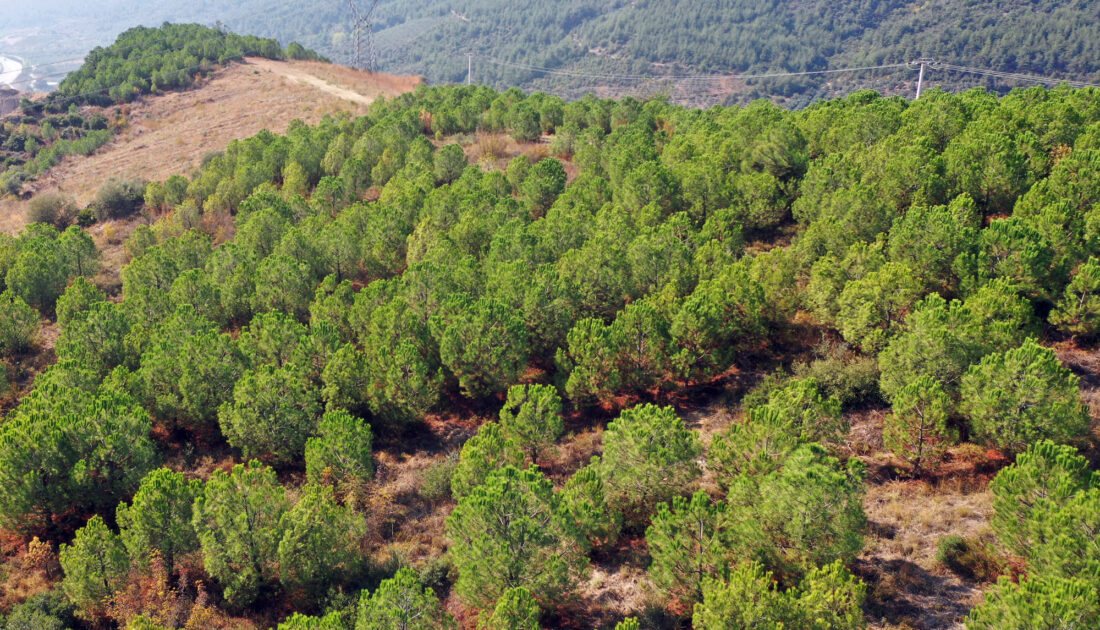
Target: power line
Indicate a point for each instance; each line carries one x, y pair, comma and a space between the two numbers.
1012, 75
686, 81
688, 77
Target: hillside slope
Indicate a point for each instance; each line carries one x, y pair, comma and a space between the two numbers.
171, 133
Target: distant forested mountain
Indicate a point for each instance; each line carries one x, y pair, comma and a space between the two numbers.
659, 37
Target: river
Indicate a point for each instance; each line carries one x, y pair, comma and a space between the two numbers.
10, 69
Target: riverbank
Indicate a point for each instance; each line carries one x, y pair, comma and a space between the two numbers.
10, 69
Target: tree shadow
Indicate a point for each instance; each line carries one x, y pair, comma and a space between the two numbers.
901, 592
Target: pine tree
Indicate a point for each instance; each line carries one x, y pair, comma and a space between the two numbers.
749, 598
320, 543
340, 454
238, 519
584, 500
532, 417
916, 430
757, 445
688, 543
67, 450
273, 412
828, 598
298, 621
1078, 312
159, 517
515, 610
485, 452
1043, 478
80, 295
1017, 397
1068, 539
510, 532
19, 324
95, 565
649, 457
804, 515
401, 603
1037, 602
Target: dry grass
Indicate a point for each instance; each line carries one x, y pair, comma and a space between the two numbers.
110, 239
488, 147
907, 519
26, 569
494, 149
572, 453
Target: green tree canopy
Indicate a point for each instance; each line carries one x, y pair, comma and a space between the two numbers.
340, 454
272, 413
159, 517
239, 521
688, 544
95, 565
319, 546
1037, 602
805, 515
1044, 477
532, 417
1018, 397
916, 430
510, 532
649, 456
401, 602
67, 449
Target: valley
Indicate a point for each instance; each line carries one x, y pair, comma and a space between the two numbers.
10, 69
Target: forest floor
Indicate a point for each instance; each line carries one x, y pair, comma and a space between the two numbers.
169, 134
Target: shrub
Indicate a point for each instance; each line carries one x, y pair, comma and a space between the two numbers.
852, 379
119, 198
45, 611
19, 324
971, 559
56, 209
435, 484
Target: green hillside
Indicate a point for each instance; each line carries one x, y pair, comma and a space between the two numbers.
648, 37
421, 364
663, 37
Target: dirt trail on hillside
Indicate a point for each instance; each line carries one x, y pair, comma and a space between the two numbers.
171, 133
298, 76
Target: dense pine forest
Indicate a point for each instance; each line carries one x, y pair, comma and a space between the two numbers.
195, 441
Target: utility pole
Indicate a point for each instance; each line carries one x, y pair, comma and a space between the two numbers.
360, 20
372, 51
357, 26
923, 61
469, 68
